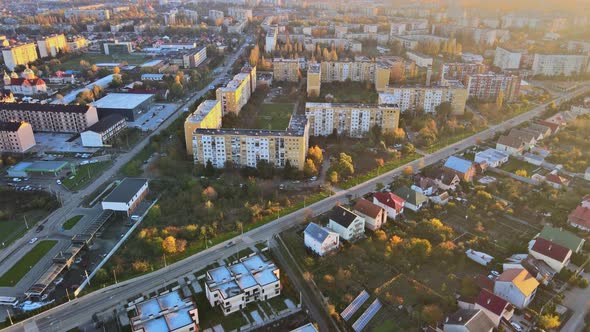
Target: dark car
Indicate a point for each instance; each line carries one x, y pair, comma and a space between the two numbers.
39, 228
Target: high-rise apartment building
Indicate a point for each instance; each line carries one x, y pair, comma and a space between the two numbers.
271, 39
459, 70
98, 14
286, 70
240, 14
16, 136
19, 55
236, 92
507, 59
489, 86
50, 117
314, 79
560, 64
362, 69
52, 45
426, 98
206, 116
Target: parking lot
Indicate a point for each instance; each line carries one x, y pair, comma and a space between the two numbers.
56, 142
153, 118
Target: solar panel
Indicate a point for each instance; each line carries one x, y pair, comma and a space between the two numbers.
364, 319
355, 305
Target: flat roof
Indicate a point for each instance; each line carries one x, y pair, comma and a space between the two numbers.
151, 63
106, 123
46, 166
35, 107
125, 190
122, 100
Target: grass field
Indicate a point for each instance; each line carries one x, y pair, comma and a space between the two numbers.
514, 165
16, 272
84, 174
13, 229
274, 116
74, 62
70, 223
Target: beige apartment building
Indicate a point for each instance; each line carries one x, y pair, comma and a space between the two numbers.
52, 45
236, 93
286, 70
19, 55
51, 117
314, 79
427, 98
16, 136
353, 120
206, 116
362, 69
246, 147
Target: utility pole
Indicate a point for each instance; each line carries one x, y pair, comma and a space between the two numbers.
115, 275
165, 261
87, 278
68, 294
26, 223
9, 317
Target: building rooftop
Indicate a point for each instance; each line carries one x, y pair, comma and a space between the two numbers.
151, 63
122, 100
492, 154
347, 106
296, 128
458, 164
342, 216
106, 123
367, 208
46, 166
317, 232
472, 319
202, 111
44, 107
411, 196
125, 191
10, 125
167, 312
551, 249
492, 302
521, 278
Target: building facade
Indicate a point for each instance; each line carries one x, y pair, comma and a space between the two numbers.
314, 80
50, 117
459, 70
206, 116
240, 14
194, 58
286, 70
427, 98
506, 59
52, 45
489, 86
104, 131
98, 14
16, 136
354, 120
237, 92
271, 40
559, 64
19, 55
361, 69
28, 84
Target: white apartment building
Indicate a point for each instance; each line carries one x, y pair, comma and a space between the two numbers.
215, 14
422, 60
240, 14
99, 14
251, 279
559, 64
507, 59
271, 40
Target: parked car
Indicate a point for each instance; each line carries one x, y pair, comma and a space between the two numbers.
230, 244
39, 228
516, 326
58, 181
59, 280
495, 273
135, 217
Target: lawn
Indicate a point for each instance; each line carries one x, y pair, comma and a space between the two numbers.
388, 166
70, 223
84, 174
348, 92
514, 165
74, 62
273, 116
18, 270
446, 141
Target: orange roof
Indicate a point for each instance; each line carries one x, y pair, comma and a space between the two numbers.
521, 278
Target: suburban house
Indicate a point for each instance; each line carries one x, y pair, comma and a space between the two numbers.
346, 223
464, 169
511, 145
562, 237
495, 307
557, 181
553, 254
529, 139
542, 130
392, 203
580, 218
493, 157
538, 269
375, 216
424, 185
533, 159
516, 286
468, 320
441, 199
320, 239
414, 200
554, 127
445, 180
586, 201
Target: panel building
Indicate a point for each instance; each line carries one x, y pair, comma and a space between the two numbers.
82, 12
506, 59
271, 39
195, 57
560, 64
459, 70
426, 98
19, 55
236, 92
240, 14
362, 69
353, 120
314, 79
206, 116
50, 117
16, 136
286, 70
52, 45
489, 86
246, 147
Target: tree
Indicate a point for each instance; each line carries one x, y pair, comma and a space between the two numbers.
169, 244
432, 313
117, 80
408, 171
500, 100
116, 70
309, 168
176, 90
254, 55
343, 166
408, 149
549, 321
209, 169
316, 154
418, 248
333, 177
444, 109
289, 171
522, 172
265, 169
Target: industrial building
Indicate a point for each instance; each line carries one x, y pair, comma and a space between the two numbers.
126, 196
129, 105
104, 131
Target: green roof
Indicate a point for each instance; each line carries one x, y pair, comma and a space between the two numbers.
411, 196
561, 237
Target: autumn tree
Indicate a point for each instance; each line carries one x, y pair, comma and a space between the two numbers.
343, 166
549, 321
408, 171
500, 100
254, 55
316, 155
522, 172
169, 245
333, 177
432, 313
309, 168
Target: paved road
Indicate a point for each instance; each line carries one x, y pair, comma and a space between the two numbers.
74, 313
13, 253
577, 300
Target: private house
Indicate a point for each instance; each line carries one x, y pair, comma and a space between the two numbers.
542, 130
441, 199
464, 169
393, 204
555, 255
320, 239
511, 145
493, 157
538, 269
562, 237
468, 320
346, 223
375, 216
495, 307
444, 180
424, 185
580, 218
586, 201
529, 139
413, 199
557, 181
516, 286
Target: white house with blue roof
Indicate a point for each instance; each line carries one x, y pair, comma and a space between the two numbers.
493, 157
463, 168
320, 239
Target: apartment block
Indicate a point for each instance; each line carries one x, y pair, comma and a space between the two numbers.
271, 39
236, 92
194, 58
206, 116
50, 117
362, 69
240, 14
117, 48
459, 70
215, 15
507, 59
559, 64
353, 120
77, 43
286, 70
246, 147
489, 86
314, 79
422, 60
427, 98
52, 45
16, 136
19, 55
251, 279
98, 14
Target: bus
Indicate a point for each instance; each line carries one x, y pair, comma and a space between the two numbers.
9, 301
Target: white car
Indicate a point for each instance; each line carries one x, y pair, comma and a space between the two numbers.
58, 181
33, 240
495, 273
59, 281
517, 327
135, 217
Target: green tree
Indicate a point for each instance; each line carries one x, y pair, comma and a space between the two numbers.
333, 177
176, 90
408, 148
549, 321
265, 169
309, 168
343, 166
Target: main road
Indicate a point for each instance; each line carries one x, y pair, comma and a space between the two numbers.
80, 310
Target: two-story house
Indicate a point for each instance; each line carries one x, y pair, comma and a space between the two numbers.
375, 216
516, 286
495, 307
414, 200
320, 239
346, 223
555, 255
464, 169
392, 203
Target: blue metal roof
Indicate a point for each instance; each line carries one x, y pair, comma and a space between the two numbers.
317, 232
458, 164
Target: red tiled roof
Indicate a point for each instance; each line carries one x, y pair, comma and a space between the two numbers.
580, 216
491, 302
389, 199
551, 249
24, 81
557, 179
367, 208
484, 282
